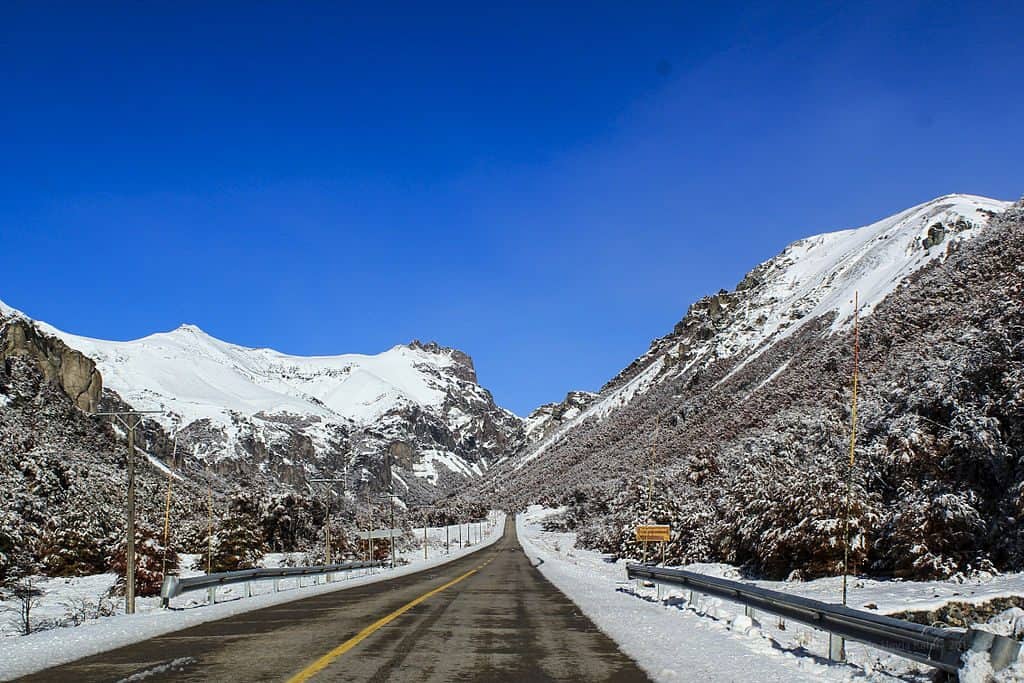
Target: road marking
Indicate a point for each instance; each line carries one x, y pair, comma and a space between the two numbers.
325, 661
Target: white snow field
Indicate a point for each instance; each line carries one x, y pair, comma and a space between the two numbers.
22, 655
191, 376
716, 642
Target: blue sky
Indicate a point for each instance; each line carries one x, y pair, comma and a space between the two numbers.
543, 186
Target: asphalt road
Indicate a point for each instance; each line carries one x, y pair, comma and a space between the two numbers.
490, 616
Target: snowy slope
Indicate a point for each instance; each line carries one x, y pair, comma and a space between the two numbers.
271, 407
813, 277
198, 376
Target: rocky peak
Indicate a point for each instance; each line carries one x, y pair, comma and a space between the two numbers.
462, 364
548, 417
61, 365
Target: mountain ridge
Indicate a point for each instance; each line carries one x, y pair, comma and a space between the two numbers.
224, 400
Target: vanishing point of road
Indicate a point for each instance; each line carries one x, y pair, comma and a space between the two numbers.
489, 616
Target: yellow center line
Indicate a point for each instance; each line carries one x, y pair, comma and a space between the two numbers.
325, 661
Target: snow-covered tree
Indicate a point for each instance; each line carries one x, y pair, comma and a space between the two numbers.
238, 541
150, 558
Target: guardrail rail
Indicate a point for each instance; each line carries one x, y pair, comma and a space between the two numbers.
937, 647
174, 585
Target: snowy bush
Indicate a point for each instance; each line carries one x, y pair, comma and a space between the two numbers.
150, 559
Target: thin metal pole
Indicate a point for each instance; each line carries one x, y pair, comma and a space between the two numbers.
424, 534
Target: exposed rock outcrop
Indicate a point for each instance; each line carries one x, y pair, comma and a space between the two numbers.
69, 369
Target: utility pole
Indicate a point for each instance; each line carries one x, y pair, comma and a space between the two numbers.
327, 519
131, 419
391, 503
837, 644
209, 517
167, 504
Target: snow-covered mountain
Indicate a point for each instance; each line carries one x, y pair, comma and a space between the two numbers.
811, 279
293, 416
740, 415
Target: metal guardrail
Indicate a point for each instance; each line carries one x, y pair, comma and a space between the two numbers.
937, 647
174, 586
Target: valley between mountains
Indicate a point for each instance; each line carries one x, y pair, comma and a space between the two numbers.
733, 427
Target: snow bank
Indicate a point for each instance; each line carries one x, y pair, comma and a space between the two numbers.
668, 644
657, 626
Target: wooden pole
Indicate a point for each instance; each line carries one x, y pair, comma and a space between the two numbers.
837, 644
853, 443
167, 504
129, 597
209, 516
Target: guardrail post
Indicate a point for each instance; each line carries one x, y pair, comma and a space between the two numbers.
1002, 651
211, 593
749, 612
836, 648
248, 589
168, 589
277, 585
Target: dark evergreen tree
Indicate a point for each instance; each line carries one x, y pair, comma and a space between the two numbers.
238, 541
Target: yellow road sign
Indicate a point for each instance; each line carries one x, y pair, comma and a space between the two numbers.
653, 532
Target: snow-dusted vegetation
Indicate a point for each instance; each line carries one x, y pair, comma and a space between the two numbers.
735, 427
676, 640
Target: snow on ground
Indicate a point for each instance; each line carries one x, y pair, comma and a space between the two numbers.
713, 640
23, 655
886, 597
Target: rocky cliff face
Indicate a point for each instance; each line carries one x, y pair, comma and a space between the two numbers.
62, 472
741, 413
69, 369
